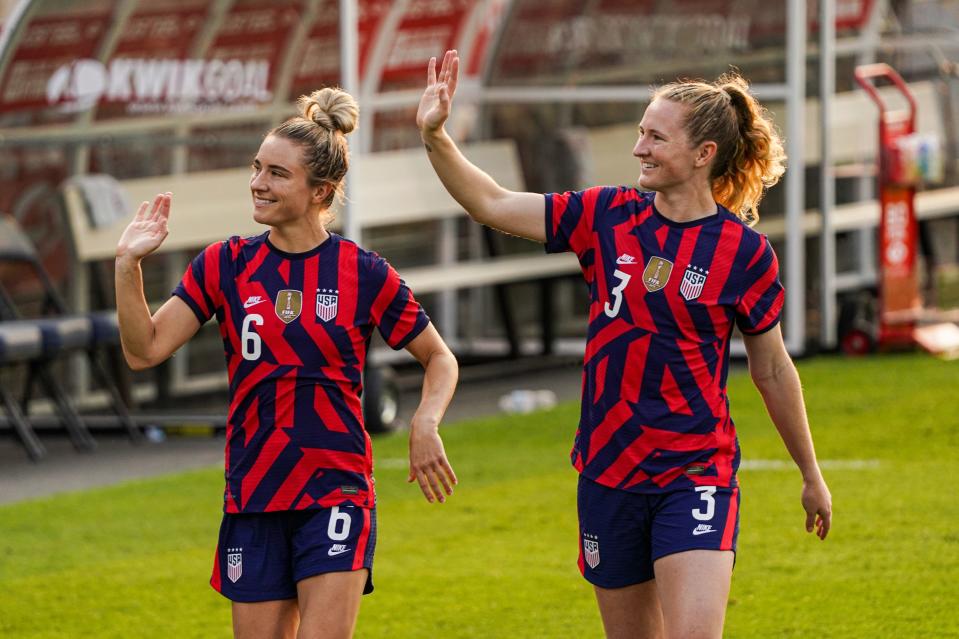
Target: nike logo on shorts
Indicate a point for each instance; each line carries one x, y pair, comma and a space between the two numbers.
337, 549
702, 529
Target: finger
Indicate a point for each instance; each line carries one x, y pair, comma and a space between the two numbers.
165, 206
435, 485
142, 211
425, 487
444, 68
445, 480
155, 207
444, 97
454, 75
448, 469
826, 524
431, 73
810, 521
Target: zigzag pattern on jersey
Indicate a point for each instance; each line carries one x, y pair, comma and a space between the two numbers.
654, 385
295, 435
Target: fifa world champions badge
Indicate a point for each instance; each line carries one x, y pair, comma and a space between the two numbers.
591, 550
657, 273
234, 563
288, 305
693, 280
326, 300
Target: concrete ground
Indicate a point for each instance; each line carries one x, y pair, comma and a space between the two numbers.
116, 460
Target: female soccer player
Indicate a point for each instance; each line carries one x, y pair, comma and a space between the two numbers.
296, 306
670, 267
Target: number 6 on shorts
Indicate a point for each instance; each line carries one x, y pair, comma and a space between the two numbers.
336, 518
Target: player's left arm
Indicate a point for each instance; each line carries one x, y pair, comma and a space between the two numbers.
428, 463
775, 376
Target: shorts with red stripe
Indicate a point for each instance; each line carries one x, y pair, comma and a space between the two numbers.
262, 556
622, 534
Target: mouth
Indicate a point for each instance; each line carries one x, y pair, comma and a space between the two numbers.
647, 166
260, 201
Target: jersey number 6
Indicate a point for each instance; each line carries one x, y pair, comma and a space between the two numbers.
249, 340
617, 293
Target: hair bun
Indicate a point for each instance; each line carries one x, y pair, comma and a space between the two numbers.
331, 108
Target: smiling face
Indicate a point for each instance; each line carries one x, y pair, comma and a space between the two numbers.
668, 159
281, 192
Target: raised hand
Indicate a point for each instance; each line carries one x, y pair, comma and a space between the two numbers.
148, 229
437, 100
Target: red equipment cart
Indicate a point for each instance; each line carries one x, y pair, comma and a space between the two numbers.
902, 166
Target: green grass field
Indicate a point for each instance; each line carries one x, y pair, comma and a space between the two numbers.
498, 560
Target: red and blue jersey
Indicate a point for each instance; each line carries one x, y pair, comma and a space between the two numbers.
295, 329
664, 298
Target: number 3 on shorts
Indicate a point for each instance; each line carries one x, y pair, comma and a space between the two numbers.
338, 520
706, 494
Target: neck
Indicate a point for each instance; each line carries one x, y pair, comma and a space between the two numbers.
686, 204
299, 236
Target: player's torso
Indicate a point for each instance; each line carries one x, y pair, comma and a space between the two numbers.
671, 280
300, 313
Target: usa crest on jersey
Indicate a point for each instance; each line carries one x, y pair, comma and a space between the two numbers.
234, 563
326, 300
591, 550
693, 280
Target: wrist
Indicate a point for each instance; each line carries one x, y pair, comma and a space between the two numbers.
432, 136
420, 424
124, 260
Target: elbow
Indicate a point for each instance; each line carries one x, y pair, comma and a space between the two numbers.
138, 362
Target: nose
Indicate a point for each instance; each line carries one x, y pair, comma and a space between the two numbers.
639, 149
257, 181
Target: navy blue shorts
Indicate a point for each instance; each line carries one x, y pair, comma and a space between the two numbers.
623, 533
262, 556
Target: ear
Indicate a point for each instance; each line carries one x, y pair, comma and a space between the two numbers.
706, 153
320, 192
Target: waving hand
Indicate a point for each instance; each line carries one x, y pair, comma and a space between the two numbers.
148, 229
437, 100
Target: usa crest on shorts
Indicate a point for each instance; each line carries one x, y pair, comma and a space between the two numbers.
326, 300
591, 550
234, 563
693, 280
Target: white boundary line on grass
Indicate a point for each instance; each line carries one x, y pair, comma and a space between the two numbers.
826, 464
394, 463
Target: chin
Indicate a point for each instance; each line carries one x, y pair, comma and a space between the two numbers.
260, 216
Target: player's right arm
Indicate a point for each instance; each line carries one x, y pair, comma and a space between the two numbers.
147, 340
488, 203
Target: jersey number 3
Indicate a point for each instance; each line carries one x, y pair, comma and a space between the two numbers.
617, 293
249, 340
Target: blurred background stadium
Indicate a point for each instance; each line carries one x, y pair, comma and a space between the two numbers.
104, 103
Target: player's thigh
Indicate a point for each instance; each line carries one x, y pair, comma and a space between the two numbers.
265, 619
330, 603
631, 612
693, 591
695, 532
615, 548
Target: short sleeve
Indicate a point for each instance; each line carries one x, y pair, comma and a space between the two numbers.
200, 285
761, 300
396, 313
569, 220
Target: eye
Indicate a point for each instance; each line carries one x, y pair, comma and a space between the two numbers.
277, 173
